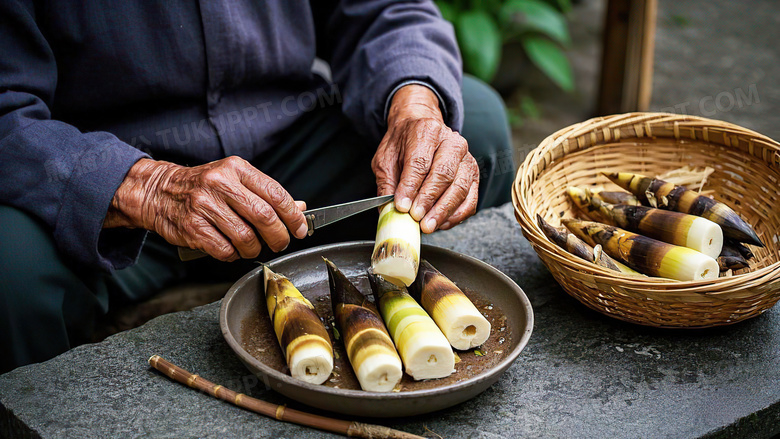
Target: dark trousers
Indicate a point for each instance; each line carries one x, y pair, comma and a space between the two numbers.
47, 305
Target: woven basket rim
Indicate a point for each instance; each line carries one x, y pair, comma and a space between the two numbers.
644, 122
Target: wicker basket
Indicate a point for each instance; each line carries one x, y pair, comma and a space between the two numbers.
746, 177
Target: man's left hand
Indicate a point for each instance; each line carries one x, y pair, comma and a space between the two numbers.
424, 163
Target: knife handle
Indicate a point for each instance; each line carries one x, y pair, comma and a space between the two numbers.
190, 254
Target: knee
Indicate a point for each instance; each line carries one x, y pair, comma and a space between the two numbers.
486, 129
30, 264
27, 249
36, 286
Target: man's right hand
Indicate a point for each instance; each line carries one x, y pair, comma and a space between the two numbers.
218, 207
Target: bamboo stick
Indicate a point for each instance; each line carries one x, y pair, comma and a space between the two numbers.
279, 412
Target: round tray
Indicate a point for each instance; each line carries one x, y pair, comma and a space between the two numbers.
307, 272
746, 177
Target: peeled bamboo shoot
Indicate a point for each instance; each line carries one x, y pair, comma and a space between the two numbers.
646, 255
667, 196
460, 321
425, 351
671, 227
397, 247
301, 335
369, 347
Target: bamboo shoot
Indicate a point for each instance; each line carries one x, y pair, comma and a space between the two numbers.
425, 351
299, 330
454, 313
574, 245
646, 255
667, 196
671, 227
396, 253
369, 347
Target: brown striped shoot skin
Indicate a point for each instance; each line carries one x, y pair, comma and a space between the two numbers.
460, 321
671, 227
668, 196
743, 249
370, 349
424, 350
731, 258
646, 255
574, 245
299, 330
617, 197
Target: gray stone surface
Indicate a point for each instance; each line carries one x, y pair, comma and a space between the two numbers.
719, 59
581, 375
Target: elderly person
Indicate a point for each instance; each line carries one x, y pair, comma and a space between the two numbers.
211, 125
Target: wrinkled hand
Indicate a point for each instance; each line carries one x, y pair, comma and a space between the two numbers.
424, 163
218, 208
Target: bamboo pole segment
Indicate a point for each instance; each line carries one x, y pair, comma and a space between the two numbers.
279, 412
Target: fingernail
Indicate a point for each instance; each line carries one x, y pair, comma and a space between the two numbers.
445, 225
431, 224
302, 231
404, 204
418, 212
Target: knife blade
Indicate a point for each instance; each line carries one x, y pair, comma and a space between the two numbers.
315, 219
321, 217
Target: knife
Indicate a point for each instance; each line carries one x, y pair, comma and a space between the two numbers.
315, 218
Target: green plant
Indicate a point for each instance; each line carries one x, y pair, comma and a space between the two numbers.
484, 26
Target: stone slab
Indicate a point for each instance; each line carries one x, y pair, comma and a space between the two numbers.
581, 375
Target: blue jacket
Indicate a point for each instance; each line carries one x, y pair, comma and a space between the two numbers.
89, 87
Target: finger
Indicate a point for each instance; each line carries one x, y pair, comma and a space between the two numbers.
263, 217
283, 210
444, 170
184, 227
196, 232
386, 168
301, 205
416, 166
465, 210
222, 216
451, 199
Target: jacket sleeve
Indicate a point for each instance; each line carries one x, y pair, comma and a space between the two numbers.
48, 168
373, 46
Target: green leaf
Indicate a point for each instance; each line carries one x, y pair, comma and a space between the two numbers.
551, 60
514, 117
492, 6
448, 11
480, 43
538, 16
563, 5
529, 108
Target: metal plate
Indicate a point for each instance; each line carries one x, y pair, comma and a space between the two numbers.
307, 272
